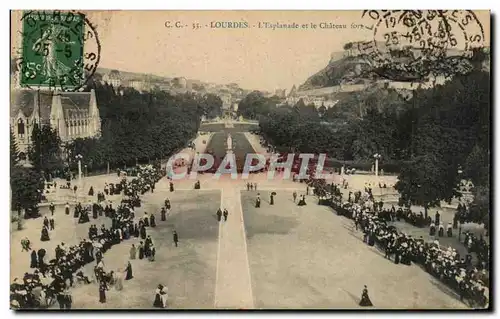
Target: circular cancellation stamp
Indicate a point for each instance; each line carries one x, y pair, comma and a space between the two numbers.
410, 45
59, 50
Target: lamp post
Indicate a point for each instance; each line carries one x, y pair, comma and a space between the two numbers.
79, 159
376, 157
459, 172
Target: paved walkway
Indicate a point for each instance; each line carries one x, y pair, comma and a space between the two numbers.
254, 140
233, 287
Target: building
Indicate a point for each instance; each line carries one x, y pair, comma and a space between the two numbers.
113, 78
180, 82
139, 85
72, 114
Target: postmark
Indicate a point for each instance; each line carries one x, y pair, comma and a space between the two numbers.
410, 45
60, 50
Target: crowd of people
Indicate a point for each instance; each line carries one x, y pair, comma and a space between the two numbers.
458, 272
51, 280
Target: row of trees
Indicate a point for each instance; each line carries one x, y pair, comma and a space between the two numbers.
141, 127
439, 136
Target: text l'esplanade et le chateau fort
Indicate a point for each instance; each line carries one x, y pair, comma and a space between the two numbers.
259, 25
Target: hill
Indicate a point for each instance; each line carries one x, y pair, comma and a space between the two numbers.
352, 67
126, 76
346, 70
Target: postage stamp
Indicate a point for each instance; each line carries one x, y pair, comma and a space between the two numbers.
59, 50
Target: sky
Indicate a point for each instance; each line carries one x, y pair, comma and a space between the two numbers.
254, 58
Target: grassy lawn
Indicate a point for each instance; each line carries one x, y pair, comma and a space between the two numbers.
308, 257
241, 146
188, 270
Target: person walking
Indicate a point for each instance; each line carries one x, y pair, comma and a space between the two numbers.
225, 214
294, 196
219, 214
176, 239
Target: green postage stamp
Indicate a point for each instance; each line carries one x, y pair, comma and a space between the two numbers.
55, 50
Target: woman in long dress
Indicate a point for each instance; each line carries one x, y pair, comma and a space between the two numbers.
102, 292
34, 259
133, 252
161, 296
365, 299
45, 234
129, 275
119, 280
152, 220
141, 250
136, 230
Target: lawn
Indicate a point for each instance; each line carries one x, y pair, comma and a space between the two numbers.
241, 147
188, 270
308, 257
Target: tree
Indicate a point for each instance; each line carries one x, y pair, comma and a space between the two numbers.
14, 151
212, 106
256, 106
477, 166
308, 112
45, 149
426, 181
27, 185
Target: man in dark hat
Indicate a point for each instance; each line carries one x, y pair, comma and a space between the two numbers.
52, 208
225, 214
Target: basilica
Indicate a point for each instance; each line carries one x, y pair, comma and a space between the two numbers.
72, 114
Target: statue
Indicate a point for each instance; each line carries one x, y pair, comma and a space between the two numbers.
229, 142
